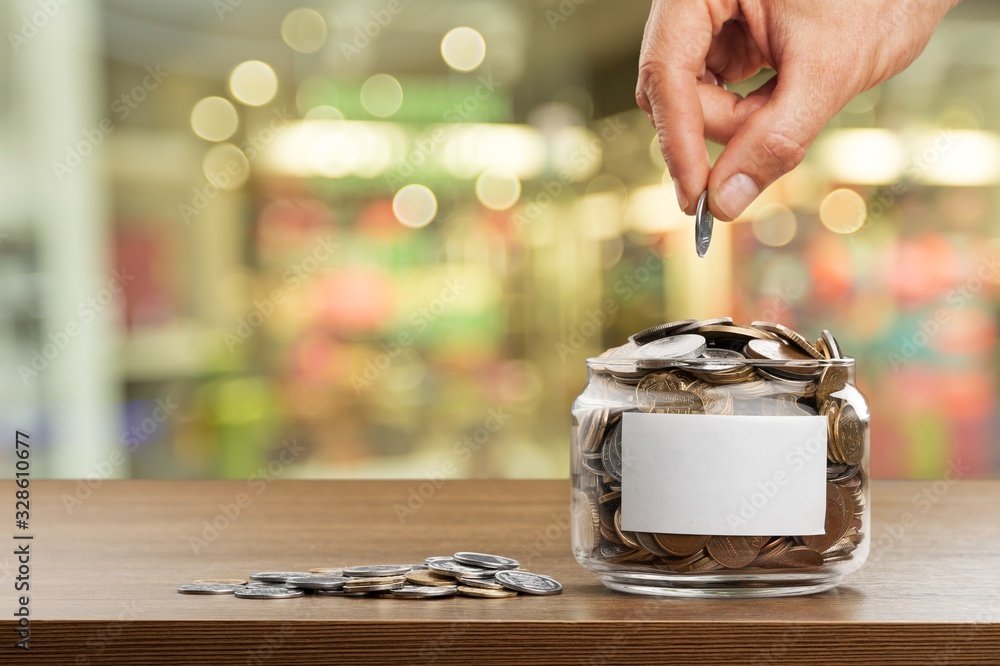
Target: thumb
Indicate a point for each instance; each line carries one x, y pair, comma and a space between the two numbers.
771, 142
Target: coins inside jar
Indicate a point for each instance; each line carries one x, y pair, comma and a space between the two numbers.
718, 367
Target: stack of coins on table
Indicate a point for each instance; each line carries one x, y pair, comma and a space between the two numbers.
720, 368
468, 574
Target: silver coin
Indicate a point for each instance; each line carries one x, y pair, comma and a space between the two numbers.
703, 224
659, 331
277, 576
257, 583
611, 454
340, 593
372, 570
374, 587
317, 582
455, 569
618, 359
423, 592
486, 560
268, 592
530, 583
437, 558
488, 583
208, 588
677, 346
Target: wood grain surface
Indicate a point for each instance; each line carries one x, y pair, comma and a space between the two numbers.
105, 570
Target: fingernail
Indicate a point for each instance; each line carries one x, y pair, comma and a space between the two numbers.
735, 195
682, 200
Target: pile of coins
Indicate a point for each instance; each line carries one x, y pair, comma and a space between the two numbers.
717, 367
467, 574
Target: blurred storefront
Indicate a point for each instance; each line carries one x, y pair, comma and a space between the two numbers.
378, 238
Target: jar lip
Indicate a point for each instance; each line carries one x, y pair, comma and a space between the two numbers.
622, 363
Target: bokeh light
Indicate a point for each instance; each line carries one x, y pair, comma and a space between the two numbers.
843, 211
414, 206
863, 156
382, 95
253, 82
226, 166
304, 30
323, 112
774, 225
497, 189
214, 119
463, 49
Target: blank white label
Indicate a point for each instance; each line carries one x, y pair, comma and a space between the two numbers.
725, 475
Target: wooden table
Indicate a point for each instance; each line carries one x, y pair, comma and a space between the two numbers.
104, 572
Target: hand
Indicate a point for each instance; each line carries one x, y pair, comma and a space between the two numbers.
824, 52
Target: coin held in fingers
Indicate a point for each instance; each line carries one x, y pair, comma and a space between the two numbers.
703, 224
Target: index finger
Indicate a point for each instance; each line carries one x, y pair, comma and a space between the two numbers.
675, 45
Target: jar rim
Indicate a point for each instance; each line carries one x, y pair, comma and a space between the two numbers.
620, 364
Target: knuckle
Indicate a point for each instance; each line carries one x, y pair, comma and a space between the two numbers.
782, 150
650, 73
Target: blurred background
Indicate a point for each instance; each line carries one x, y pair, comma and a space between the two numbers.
378, 238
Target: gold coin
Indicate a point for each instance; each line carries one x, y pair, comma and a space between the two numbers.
792, 336
802, 556
610, 497
770, 554
704, 563
681, 545
742, 333
734, 552
833, 379
833, 523
831, 410
327, 571
485, 593
425, 577
628, 538
850, 433
655, 383
221, 581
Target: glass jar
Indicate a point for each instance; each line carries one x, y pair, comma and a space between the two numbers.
721, 474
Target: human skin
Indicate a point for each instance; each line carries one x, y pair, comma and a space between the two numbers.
824, 53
